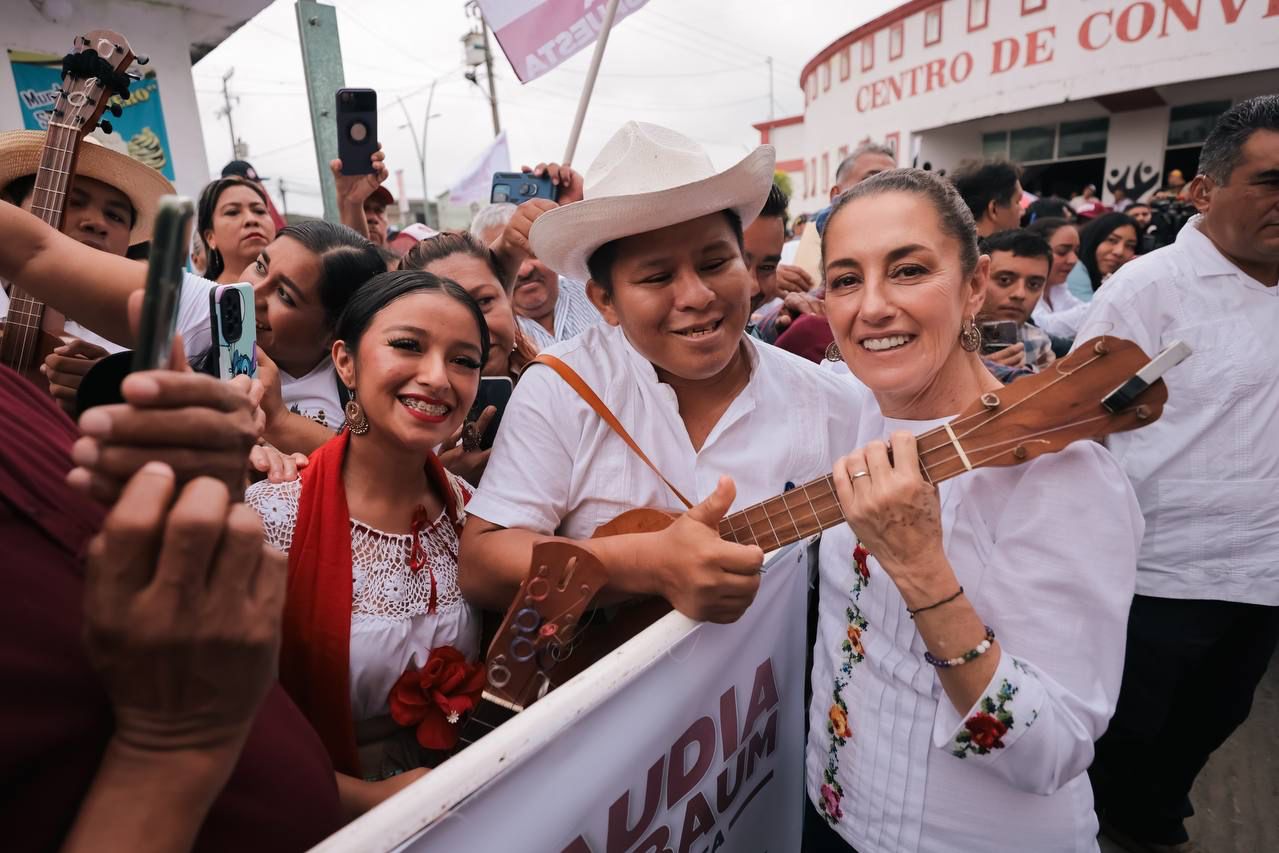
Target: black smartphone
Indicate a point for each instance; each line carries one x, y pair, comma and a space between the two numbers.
999, 334
164, 282
357, 130
494, 391
519, 187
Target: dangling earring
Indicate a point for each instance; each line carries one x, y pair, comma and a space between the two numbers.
356, 421
833, 353
970, 335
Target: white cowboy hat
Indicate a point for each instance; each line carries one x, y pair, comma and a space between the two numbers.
647, 177
20, 156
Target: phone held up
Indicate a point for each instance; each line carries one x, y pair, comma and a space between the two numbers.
357, 130
494, 391
164, 282
999, 334
233, 323
519, 187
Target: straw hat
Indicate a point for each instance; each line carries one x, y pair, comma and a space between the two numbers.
647, 177
20, 156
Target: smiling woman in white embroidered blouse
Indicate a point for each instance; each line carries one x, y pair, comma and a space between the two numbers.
969, 650
378, 644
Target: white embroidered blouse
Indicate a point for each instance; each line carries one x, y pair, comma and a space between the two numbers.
1046, 553
391, 628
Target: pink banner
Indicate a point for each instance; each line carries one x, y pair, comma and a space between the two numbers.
537, 36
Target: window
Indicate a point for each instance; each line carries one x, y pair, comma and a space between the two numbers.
844, 70
932, 26
825, 168
810, 89
994, 145
1082, 138
1028, 6
843, 154
825, 72
1190, 124
893, 141
812, 164
896, 38
978, 15
868, 52
1031, 143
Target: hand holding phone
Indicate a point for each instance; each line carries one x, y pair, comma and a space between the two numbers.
164, 282
519, 187
357, 130
999, 335
494, 391
233, 323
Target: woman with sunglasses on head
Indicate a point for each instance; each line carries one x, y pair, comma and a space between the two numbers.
375, 627
234, 225
969, 644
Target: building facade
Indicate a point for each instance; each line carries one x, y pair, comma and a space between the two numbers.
1115, 93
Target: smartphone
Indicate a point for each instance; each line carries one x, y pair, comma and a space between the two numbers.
164, 282
357, 130
519, 187
494, 391
233, 323
999, 334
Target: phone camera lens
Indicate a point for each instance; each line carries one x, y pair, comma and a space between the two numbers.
359, 131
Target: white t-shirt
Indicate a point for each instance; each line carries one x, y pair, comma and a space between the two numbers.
1046, 554
315, 395
558, 468
1207, 472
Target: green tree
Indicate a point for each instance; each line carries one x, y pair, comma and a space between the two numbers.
783, 181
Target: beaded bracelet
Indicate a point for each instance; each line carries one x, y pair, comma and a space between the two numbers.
971, 654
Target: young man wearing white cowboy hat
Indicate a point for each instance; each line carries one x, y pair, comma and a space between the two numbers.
658, 238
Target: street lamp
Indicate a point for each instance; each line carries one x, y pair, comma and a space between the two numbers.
420, 147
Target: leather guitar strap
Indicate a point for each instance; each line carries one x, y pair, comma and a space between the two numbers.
578, 384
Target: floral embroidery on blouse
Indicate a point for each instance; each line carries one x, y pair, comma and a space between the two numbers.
985, 729
851, 654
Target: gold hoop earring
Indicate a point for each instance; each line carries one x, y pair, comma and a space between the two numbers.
356, 421
970, 335
833, 353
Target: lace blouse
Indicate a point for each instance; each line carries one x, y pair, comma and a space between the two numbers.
391, 628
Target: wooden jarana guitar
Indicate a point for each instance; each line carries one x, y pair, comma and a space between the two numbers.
92, 73
1107, 385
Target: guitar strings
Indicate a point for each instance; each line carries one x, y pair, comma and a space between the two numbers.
771, 514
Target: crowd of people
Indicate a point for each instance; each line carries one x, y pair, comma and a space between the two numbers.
241, 613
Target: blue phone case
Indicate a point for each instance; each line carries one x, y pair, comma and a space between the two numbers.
233, 322
519, 187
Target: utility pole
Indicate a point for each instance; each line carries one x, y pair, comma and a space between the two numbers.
419, 145
488, 67
284, 198
769, 60
225, 110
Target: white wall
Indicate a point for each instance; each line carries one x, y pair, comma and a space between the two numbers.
1062, 71
155, 30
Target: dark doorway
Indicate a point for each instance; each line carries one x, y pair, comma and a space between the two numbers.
1064, 178
1185, 159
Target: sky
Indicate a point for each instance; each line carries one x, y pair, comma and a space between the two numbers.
697, 66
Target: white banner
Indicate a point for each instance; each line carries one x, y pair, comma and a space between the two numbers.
537, 35
475, 185
689, 739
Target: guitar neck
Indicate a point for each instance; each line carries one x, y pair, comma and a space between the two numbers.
813, 507
27, 315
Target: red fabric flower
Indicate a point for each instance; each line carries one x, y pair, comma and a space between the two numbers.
435, 697
986, 730
859, 560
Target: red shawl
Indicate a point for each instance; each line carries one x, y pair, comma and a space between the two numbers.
315, 655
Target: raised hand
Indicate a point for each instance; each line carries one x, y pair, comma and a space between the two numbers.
468, 463
700, 574
183, 604
562, 176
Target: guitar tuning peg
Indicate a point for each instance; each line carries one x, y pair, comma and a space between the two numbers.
116, 110
142, 60
106, 126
